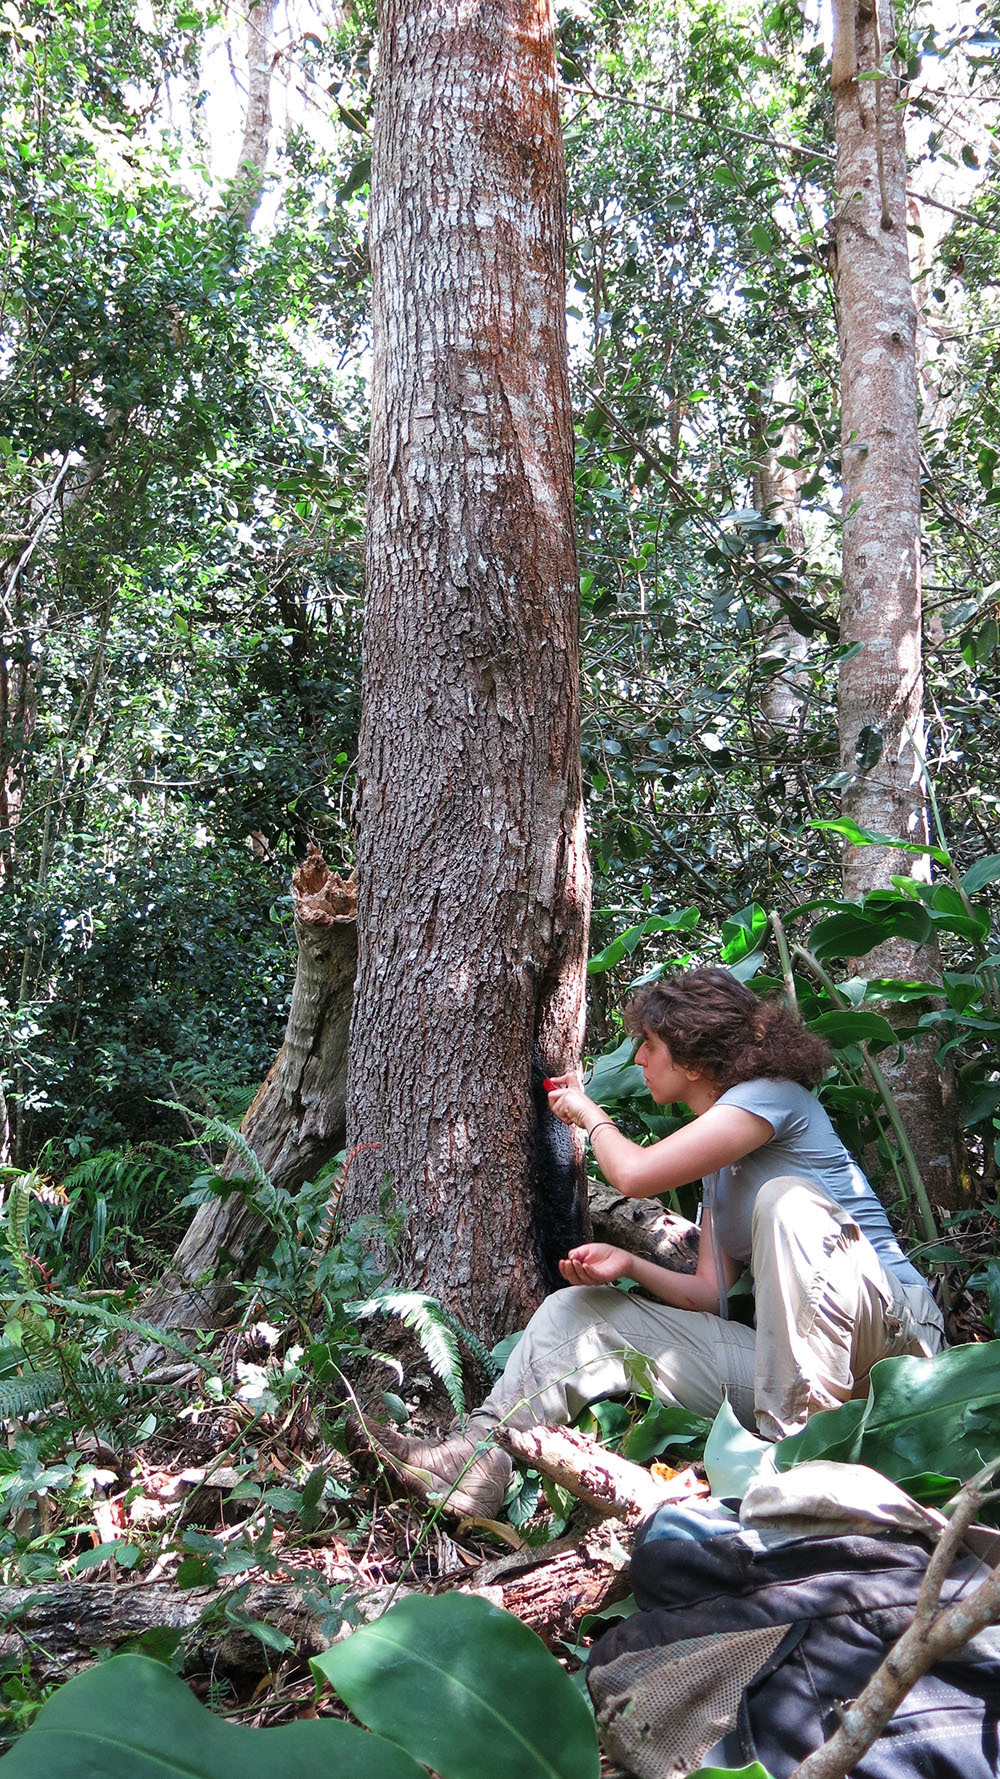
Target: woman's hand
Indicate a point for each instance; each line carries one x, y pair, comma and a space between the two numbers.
596, 1263
569, 1102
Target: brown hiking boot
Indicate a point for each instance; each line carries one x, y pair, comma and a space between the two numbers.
466, 1479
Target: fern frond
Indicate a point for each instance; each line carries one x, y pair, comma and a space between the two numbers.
117, 1322
434, 1328
29, 1393
124, 1170
16, 1227
216, 1130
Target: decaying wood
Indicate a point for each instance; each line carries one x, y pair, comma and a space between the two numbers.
644, 1228
598, 1478
298, 1118
553, 1591
60, 1628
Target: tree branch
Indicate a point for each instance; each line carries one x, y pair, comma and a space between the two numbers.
933, 1635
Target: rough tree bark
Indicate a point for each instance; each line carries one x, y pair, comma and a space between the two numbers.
298, 1118
881, 686
473, 883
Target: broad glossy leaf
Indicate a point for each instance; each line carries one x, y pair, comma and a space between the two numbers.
849, 1025
917, 1411
131, 1718
626, 942
833, 1433
734, 1456
615, 1075
468, 1688
753, 1771
869, 837
984, 871
930, 1489
663, 1426
741, 932
883, 988
856, 933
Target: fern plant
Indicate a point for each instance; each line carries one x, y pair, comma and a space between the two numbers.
439, 1333
48, 1371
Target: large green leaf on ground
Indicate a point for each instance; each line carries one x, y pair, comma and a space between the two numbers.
753, 1771
131, 1718
919, 1412
468, 1689
733, 1455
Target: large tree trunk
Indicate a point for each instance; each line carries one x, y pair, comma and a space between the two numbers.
297, 1120
473, 883
881, 685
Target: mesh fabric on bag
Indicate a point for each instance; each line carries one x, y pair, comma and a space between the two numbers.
661, 1710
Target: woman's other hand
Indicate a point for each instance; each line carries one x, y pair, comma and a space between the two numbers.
596, 1263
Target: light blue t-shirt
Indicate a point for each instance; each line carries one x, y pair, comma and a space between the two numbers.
804, 1143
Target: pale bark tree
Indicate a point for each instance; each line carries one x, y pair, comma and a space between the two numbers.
881, 686
473, 883
881, 693
777, 497
248, 180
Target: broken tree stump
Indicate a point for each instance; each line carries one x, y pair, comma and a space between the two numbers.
297, 1120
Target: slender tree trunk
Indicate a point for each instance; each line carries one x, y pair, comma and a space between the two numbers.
777, 497
298, 1118
881, 685
248, 180
473, 883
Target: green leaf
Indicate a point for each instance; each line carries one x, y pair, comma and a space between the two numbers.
661, 1427
753, 1771
845, 1025
762, 238
627, 942
741, 932
917, 1410
855, 933
929, 1488
615, 1075
733, 1455
984, 871
130, 1718
468, 1688
870, 837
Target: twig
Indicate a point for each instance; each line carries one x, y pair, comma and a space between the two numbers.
933, 1635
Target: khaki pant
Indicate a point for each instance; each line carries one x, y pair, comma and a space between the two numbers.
826, 1311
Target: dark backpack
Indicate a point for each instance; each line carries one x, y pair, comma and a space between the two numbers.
742, 1650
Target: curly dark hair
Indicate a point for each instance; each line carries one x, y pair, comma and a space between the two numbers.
713, 1023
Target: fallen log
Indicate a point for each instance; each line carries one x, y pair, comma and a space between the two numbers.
644, 1228
553, 1591
599, 1479
59, 1628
